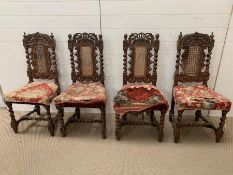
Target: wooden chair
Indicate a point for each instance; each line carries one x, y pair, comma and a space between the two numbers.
87, 74
140, 66
192, 65
41, 64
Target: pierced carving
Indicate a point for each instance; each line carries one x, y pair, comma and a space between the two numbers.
193, 57
143, 48
41, 57
86, 53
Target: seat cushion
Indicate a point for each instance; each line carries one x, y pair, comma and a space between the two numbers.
83, 93
137, 98
36, 92
199, 97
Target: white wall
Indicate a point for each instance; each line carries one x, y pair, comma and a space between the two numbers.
166, 17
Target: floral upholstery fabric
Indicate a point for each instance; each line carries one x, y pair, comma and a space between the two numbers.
137, 98
83, 93
199, 97
36, 92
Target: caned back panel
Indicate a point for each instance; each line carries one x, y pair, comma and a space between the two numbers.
41, 57
86, 56
193, 58
140, 58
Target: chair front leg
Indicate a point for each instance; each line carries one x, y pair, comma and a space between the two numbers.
219, 133
103, 121
118, 127
178, 126
14, 122
51, 124
171, 112
60, 116
161, 126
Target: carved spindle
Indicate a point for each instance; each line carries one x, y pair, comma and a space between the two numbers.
103, 121
209, 52
60, 116
28, 61
178, 54
156, 49
161, 126
118, 127
177, 127
219, 132
125, 48
14, 122
51, 125
101, 59
70, 47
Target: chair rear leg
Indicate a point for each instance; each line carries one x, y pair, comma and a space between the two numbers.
77, 113
178, 126
219, 133
152, 118
161, 126
60, 116
198, 114
14, 123
124, 117
171, 112
51, 123
118, 127
37, 108
103, 122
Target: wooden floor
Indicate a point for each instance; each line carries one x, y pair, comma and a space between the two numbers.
33, 152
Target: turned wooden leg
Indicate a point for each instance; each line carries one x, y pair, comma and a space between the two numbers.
197, 115
178, 126
118, 127
77, 113
161, 126
219, 133
124, 117
37, 109
171, 112
103, 122
60, 116
51, 124
14, 123
152, 118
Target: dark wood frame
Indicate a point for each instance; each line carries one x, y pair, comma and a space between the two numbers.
74, 43
29, 41
151, 42
205, 42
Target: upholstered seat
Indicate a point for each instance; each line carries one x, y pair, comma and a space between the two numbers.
35, 92
136, 98
83, 93
199, 97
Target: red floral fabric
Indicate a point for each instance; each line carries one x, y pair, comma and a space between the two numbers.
83, 93
137, 98
36, 92
199, 97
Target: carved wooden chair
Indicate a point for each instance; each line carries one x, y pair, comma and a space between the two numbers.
192, 65
140, 66
87, 74
41, 64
